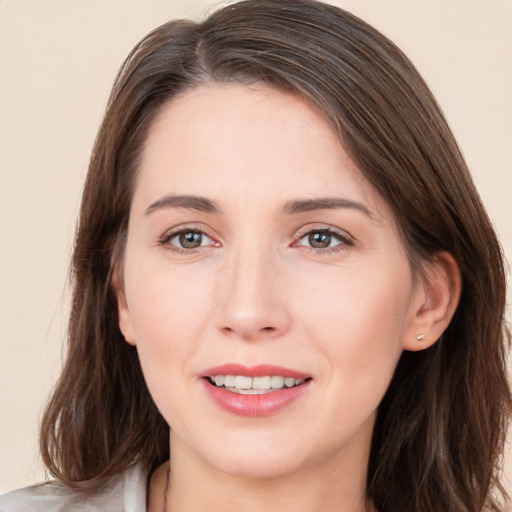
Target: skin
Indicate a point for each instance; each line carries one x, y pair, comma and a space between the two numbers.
255, 292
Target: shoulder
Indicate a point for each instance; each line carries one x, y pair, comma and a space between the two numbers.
122, 493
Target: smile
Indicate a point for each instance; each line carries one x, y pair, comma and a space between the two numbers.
255, 391
254, 385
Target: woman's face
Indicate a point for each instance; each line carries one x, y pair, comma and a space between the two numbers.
259, 258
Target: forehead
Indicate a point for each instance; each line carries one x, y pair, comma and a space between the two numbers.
229, 112
251, 141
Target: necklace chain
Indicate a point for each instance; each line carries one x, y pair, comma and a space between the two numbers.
167, 480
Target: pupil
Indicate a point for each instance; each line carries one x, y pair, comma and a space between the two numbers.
319, 240
190, 240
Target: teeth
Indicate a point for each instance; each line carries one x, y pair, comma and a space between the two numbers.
243, 382
289, 382
254, 385
262, 383
229, 381
277, 382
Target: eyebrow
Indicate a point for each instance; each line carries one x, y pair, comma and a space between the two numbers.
325, 203
201, 204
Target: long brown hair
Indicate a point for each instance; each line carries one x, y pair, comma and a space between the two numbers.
441, 427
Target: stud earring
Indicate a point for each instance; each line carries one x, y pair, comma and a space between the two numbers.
420, 337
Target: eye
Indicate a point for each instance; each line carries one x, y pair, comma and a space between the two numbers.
321, 239
187, 239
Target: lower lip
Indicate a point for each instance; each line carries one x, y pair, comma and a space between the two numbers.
255, 405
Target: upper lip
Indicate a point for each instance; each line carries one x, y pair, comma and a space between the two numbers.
259, 370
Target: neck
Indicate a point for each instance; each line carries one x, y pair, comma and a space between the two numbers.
194, 485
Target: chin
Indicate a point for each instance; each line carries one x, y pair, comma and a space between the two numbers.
273, 466
253, 456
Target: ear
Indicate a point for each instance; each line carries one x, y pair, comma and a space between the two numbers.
123, 313
435, 301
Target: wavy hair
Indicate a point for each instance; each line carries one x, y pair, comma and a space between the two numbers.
441, 427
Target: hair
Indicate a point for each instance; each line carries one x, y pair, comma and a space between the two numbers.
440, 429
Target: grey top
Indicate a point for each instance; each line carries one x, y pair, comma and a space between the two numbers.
122, 493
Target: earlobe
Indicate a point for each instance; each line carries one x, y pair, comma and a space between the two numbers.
123, 313
435, 302
125, 321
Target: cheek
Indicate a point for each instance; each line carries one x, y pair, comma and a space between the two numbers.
169, 312
358, 323
365, 302
167, 306
167, 315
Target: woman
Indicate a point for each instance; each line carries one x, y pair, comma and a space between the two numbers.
280, 256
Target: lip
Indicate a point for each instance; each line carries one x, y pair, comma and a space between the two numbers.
253, 371
254, 405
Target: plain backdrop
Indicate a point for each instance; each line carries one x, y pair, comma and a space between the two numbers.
58, 59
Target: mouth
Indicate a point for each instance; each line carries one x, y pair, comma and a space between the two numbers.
255, 391
246, 385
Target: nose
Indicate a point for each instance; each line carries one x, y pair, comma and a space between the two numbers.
254, 304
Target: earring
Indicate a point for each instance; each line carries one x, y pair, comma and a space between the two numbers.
420, 337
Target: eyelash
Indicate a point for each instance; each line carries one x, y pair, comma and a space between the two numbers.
344, 240
166, 240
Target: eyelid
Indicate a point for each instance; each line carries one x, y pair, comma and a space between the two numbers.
345, 239
165, 239
305, 230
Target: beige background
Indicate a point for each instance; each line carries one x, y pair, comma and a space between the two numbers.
58, 59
